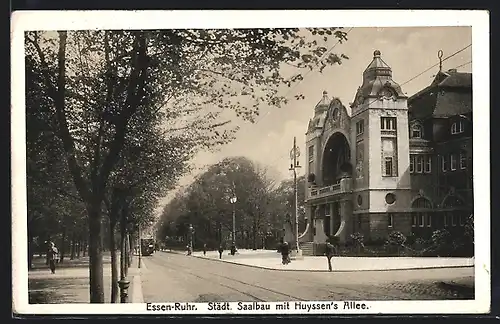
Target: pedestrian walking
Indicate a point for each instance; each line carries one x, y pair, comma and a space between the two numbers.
330, 251
285, 253
52, 253
221, 250
205, 249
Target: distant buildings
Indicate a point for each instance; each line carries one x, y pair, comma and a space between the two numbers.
394, 164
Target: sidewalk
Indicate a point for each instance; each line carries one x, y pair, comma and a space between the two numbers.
271, 260
70, 283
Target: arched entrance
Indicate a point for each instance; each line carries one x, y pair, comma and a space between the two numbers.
336, 159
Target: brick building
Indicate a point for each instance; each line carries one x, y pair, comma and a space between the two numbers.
393, 163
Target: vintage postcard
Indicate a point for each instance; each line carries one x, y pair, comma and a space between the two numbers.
250, 162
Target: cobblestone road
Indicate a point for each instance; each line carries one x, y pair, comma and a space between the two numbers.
173, 277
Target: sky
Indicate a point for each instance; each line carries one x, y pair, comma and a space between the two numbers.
408, 51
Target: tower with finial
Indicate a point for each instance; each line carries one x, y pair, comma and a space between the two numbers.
313, 135
379, 134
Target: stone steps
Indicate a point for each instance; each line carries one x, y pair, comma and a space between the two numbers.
307, 248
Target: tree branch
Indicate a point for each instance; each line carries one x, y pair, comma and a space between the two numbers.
135, 92
58, 95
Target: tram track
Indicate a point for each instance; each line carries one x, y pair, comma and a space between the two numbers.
341, 292
210, 275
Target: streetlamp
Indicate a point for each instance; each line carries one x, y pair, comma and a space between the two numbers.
294, 154
191, 231
233, 200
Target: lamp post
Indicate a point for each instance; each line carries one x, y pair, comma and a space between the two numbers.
294, 154
191, 229
233, 200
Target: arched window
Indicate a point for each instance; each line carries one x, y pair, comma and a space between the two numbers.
420, 218
416, 131
452, 201
453, 218
421, 202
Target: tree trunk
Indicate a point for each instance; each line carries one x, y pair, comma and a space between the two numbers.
63, 245
79, 249
114, 263
254, 247
73, 247
103, 235
95, 254
85, 243
30, 252
125, 253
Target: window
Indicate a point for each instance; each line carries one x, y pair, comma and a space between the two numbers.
412, 163
360, 127
445, 219
390, 220
428, 164
421, 220
311, 159
416, 131
453, 162
454, 220
463, 161
414, 220
457, 127
420, 163
388, 123
444, 163
311, 153
462, 219
429, 220
388, 166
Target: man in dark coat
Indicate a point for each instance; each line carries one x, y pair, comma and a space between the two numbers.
52, 256
221, 250
285, 253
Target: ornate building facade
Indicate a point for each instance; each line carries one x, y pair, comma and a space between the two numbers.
393, 163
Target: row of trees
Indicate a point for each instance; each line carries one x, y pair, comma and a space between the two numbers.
114, 117
261, 207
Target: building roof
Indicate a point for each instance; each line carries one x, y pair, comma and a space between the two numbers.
449, 94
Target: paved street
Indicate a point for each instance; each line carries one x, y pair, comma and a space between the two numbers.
174, 277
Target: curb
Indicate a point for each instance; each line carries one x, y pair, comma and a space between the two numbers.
315, 270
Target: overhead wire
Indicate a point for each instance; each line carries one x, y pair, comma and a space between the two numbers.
411, 79
299, 82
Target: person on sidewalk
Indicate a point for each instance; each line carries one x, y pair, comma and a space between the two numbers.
205, 249
330, 251
285, 253
52, 256
221, 250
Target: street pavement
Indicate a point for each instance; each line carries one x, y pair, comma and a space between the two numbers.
173, 277
267, 259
